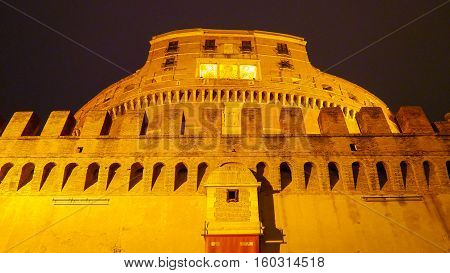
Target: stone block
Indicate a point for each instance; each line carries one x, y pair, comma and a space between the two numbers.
332, 121
291, 121
22, 124
371, 120
96, 123
59, 123
412, 120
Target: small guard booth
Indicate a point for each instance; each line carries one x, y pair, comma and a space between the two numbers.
232, 224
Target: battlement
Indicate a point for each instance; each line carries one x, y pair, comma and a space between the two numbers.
182, 120
413, 161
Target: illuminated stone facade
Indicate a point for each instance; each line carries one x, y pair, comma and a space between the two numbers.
226, 137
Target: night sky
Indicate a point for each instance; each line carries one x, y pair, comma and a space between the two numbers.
42, 71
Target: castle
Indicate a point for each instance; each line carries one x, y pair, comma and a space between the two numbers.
226, 141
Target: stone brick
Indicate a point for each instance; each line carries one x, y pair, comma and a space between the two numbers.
251, 121
412, 120
332, 121
443, 127
95, 123
371, 120
129, 124
59, 123
291, 121
22, 124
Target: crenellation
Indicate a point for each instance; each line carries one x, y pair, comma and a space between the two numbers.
22, 124
291, 121
96, 123
177, 144
412, 120
332, 121
442, 127
371, 120
59, 123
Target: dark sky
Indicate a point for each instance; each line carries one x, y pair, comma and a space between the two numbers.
42, 71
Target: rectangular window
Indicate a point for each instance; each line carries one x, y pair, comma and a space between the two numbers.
285, 64
282, 49
327, 87
210, 45
169, 62
228, 71
246, 46
247, 72
173, 46
208, 71
232, 195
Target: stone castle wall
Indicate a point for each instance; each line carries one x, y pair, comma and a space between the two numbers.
115, 186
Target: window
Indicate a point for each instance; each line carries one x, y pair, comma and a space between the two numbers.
228, 71
333, 172
173, 47
282, 49
232, 195
427, 171
111, 173
136, 174
183, 125
210, 45
181, 175
285, 175
382, 174
208, 71
327, 87
246, 46
91, 175
285, 64
247, 72
27, 175
170, 62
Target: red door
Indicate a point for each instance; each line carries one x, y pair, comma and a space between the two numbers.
232, 243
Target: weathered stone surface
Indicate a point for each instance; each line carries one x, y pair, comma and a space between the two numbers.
331, 121
153, 158
371, 120
412, 120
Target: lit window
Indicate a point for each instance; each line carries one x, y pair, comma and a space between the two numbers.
208, 71
228, 71
247, 72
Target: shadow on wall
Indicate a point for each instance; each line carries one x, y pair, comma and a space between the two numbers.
272, 236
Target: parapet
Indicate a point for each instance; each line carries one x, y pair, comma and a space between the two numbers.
332, 121
291, 121
412, 120
371, 120
59, 123
239, 120
22, 124
96, 123
251, 121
